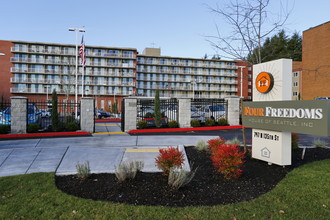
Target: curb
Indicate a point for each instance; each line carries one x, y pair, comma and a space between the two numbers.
183, 129
44, 135
97, 120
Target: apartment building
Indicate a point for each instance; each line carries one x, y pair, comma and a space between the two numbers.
184, 77
296, 80
34, 70
316, 62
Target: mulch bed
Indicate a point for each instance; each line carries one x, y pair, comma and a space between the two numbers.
207, 188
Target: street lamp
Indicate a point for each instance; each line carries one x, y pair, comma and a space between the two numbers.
193, 82
47, 87
77, 30
241, 79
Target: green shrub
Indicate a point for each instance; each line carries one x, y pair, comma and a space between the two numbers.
142, 124
70, 118
201, 145
195, 123
33, 128
173, 124
4, 129
209, 122
178, 179
129, 170
234, 141
222, 122
294, 140
319, 143
83, 170
71, 126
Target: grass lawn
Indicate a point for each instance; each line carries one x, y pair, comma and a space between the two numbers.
303, 194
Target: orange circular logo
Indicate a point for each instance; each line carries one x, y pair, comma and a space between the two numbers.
264, 82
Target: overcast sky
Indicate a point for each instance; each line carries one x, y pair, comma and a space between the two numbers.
178, 27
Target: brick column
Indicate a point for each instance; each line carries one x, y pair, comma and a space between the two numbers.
233, 110
87, 114
184, 113
18, 115
130, 114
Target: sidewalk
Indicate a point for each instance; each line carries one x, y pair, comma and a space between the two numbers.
103, 152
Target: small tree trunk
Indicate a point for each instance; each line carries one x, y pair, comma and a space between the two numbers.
243, 129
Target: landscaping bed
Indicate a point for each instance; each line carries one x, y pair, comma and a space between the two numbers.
207, 187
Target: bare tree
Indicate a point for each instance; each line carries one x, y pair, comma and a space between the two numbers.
251, 23
68, 80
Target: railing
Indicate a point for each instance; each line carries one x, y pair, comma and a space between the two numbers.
70, 52
5, 116
192, 64
168, 109
70, 92
209, 108
61, 81
43, 113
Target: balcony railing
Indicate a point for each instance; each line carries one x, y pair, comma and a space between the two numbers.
71, 92
62, 81
192, 64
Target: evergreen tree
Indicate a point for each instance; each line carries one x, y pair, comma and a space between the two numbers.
55, 119
280, 46
158, 119
114, 107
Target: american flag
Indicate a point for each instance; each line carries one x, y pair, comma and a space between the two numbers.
82, 53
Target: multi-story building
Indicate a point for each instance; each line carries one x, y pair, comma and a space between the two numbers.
34, 70
316, 62
296, 80
184, 77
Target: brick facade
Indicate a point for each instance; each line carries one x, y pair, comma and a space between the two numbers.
316, 62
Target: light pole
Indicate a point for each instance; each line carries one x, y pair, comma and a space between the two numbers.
193, 82
47, 87
241, 79
77, 30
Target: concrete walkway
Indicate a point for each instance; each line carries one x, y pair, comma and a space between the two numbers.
103, 151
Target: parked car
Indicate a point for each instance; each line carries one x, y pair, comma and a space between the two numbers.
214, 111
323, 98
45, 113
102, 114
32, 111
196, 114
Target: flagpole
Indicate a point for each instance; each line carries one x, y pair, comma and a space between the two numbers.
82, 81
77, 30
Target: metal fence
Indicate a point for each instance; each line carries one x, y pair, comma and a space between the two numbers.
41, 112
146, 110
5, 112
201, 109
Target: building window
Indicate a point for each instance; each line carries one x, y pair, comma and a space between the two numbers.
295, 84
295, 74
295, 94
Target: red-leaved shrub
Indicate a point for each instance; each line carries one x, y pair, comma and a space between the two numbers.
228, 159
169, 158
215, 143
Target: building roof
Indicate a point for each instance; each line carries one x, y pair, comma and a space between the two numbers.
325, 23
71, 45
